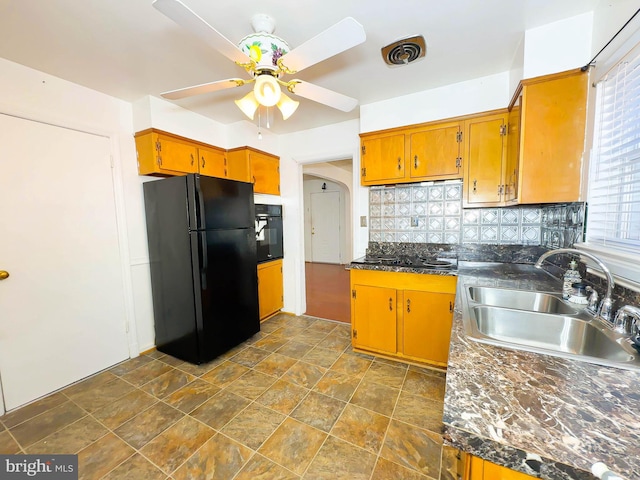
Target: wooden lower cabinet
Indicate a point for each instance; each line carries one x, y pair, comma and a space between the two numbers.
270, 288
475, 468
403, 315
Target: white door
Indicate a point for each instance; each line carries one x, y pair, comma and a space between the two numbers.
62, 314
325, 227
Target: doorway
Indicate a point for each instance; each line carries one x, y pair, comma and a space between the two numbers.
327, 225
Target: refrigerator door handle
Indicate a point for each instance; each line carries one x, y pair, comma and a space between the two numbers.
204, 260
201, 217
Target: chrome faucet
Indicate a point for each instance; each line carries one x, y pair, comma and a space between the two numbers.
627, 320
606, 306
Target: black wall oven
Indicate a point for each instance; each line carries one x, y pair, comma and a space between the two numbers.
269, 232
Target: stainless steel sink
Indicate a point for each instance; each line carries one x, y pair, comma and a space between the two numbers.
535, 322
521, 300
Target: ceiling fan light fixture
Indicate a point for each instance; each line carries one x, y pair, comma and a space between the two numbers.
248, 104
287, 106
267, 90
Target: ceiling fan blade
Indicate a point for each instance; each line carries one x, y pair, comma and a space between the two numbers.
187, 18
322, 95
345, 34
203, 88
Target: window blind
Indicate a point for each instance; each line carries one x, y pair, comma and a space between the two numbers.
613, 217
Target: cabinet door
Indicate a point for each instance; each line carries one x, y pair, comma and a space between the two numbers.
427, 325
373, 318
212, 162
270, 288
497, 472
382, 159
265, 171
177, 155
486, 152
435, 153
552, 139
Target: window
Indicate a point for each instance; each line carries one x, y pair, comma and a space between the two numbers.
613, 212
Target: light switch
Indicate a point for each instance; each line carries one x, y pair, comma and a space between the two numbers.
363, 221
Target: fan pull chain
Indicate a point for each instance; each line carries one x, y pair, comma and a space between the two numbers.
259, 122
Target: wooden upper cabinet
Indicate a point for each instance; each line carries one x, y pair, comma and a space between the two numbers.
382, 159
484, 179
263, 168
161, 153
212, 162
552, 135
435, 153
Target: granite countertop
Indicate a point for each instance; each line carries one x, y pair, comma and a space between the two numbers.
542, 415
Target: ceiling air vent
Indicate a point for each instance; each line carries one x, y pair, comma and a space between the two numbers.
405, 51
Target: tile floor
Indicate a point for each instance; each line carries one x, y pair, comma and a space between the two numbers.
292, 402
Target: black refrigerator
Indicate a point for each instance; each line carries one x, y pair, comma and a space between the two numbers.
202, 251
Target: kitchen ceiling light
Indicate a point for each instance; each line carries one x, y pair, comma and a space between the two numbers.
266, 90
248, 104
287, 106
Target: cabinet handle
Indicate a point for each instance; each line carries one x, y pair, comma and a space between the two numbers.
450, 307
254, 179
225, 172
408, 305
475, 186
499, 190
390, 304
192, 159
399, 164
203, 161
415, 162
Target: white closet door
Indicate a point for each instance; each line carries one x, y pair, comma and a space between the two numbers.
62, 313
325, 227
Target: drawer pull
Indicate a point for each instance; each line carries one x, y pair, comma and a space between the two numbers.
450, 307
399, 164
202, 161
391, 304
415, 162
408, 305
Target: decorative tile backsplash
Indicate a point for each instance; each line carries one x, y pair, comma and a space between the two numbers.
432, 213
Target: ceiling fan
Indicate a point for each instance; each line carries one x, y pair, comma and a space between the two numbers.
267, 58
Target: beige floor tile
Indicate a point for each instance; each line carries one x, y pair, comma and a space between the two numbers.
386, 470
135, 468
27, 412
261, 468
304, 374
376, 397
220, 409
71, 439
335, 342
218, 459
199, 370
310, 337
250, 356
253, 425
8, 446
251, 385
323, 326
351, 365
123, 409
294, 349
100, 396
225, 373
319, 411
170, 360
361, 427
191, 396
426, 385
413, 448
275, 364
293, 445
420, 411
282, 396
102, 456
173, 446
337, 385
321, 356
449, 465
148, 424
146, 373
89, 383
388, 375
339, 460
271, 343
167, 383
37, 428
129, 365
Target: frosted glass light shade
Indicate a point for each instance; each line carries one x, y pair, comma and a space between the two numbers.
287, 106
266, 90
248, 104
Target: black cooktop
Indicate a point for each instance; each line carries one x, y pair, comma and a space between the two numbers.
410, 261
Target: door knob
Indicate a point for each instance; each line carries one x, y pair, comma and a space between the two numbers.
4, 274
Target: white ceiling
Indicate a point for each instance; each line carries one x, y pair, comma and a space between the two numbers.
127, 49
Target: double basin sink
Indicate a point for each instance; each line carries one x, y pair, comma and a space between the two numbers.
543, 323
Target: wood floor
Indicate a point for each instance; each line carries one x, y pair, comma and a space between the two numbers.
328, 291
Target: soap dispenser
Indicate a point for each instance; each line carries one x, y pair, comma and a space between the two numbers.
571, 276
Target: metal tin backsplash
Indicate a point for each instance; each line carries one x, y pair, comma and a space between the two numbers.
432, 212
